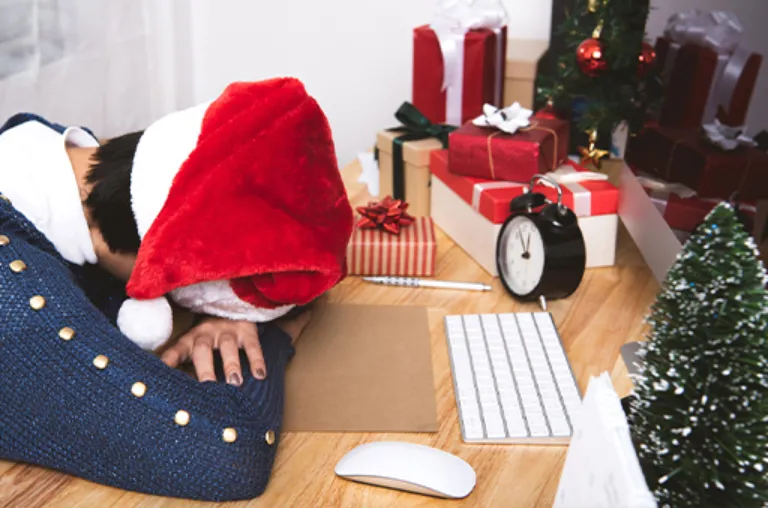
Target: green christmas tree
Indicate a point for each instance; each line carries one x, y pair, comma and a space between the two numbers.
620, 81
700, 417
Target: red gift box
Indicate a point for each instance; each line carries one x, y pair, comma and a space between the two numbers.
483, 152
411, 253
686, 214
492, 198
480, 81
686, 157
703, 84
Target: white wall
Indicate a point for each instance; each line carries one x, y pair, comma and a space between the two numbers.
353, 55
752, 14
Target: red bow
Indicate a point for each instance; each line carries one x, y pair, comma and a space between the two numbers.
388, 215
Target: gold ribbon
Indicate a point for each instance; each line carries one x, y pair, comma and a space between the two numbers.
533, 127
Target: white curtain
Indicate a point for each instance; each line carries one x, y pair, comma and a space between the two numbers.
113, 66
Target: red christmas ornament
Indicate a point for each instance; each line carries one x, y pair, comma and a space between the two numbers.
547, 111
647, 60
388, 215
591, 57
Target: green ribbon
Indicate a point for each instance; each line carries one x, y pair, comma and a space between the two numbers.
415, 127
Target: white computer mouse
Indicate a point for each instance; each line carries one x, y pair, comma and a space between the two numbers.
410, 467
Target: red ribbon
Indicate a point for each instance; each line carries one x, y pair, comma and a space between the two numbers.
389, 215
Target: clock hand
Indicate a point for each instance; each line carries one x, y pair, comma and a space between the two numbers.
522, 242
526, 254
528, 245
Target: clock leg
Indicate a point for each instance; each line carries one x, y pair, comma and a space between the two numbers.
543, 303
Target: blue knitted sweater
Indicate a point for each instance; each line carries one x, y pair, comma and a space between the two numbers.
121, 422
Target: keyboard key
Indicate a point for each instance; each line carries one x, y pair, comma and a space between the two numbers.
518, 430
473, 428
495, 428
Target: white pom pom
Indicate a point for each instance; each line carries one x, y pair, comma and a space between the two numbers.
148, 323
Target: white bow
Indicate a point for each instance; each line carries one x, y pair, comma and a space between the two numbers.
461, 16
451, 22
719, 30
663, 187
508, 120
727, 138
566, 174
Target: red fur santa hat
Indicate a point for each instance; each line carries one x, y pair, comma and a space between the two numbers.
241, 210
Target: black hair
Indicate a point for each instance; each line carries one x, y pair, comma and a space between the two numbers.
110, 198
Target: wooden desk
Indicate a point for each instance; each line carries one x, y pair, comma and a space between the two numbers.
606, 312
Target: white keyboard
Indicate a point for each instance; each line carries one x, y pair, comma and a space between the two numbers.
512, 379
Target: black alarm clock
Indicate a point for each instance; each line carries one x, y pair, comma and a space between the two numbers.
540, 252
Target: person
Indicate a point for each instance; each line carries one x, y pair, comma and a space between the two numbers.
234, 209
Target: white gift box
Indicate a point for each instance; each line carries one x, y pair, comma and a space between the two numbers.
477, 235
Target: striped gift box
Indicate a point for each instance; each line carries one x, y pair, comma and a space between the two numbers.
412, 253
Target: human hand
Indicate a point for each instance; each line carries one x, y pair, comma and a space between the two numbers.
228, 336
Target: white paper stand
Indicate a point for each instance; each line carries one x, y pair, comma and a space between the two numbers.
602, 469
647, 227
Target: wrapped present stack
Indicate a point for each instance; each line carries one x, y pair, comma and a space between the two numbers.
490, 161
699, 152
457, 159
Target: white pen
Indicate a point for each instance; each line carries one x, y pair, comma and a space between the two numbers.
427, 283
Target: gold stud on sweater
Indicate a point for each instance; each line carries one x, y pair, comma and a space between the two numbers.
37, 302
269, 437
18, 266
66, 333
138, 389
101, 362
4, 240
229, 435
5, 198
181, 418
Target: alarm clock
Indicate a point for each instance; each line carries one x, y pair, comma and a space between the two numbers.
540, 252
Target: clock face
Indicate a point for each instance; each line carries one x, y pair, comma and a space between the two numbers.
521, 255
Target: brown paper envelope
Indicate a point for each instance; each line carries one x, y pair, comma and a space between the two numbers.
362, 368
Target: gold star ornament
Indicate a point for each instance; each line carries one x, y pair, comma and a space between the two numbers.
592, 153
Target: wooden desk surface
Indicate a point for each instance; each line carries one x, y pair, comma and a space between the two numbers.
606, 312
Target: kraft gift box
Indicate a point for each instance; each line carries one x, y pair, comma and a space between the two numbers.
415, 180
523, 58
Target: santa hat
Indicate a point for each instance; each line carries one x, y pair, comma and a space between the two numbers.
240, 207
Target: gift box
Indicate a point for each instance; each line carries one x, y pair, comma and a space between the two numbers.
523, 58
484, 152
411, 253
472, 210
687, 157
491, 198
403, 155
707, 72
452, 88
412, 179
686, 213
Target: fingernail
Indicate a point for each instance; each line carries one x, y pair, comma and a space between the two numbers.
260, 373
235, 379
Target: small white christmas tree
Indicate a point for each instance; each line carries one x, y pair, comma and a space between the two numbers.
700, 419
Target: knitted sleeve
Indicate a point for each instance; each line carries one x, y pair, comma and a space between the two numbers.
78, 397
